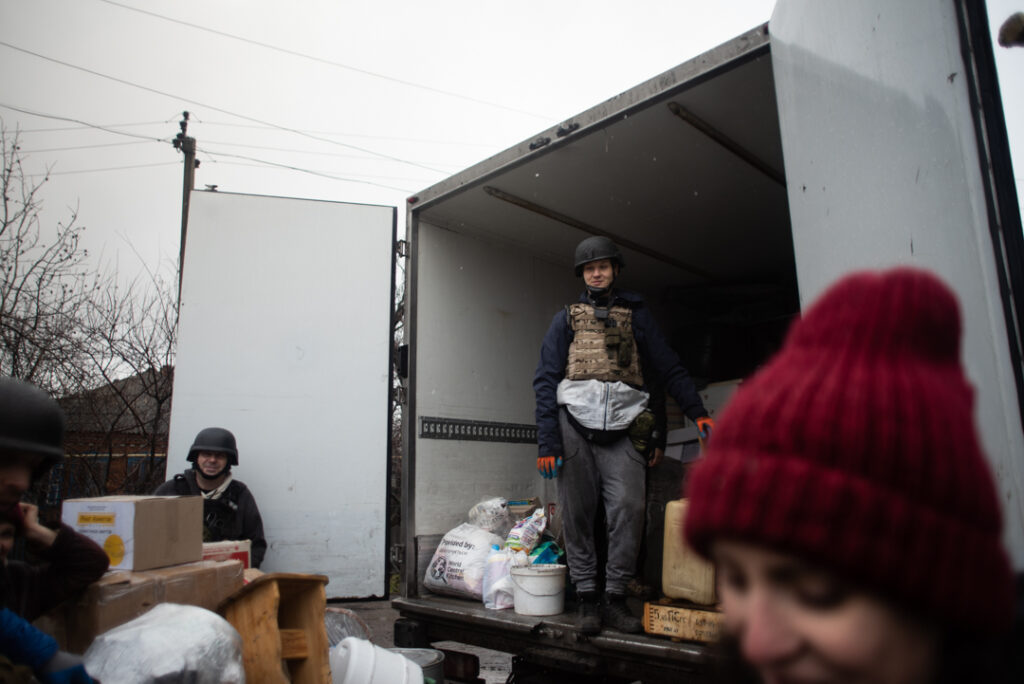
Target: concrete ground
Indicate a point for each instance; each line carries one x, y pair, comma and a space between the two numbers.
377, 619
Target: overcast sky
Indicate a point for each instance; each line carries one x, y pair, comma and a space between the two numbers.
366, 101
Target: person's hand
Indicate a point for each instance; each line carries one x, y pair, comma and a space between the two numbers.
655, 458
35, 532
705, 426
548, 466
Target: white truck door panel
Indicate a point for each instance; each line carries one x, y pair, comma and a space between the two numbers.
883, 168
285, 339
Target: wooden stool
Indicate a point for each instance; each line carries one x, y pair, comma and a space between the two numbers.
280, 617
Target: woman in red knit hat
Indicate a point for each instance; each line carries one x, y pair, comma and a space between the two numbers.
846, 502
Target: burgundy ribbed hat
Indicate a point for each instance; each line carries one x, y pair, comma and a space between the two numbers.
855, 448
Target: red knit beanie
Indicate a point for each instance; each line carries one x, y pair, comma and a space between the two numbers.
854, 448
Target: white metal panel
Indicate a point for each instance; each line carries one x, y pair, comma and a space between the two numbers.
284, 339
483, 309
882, 168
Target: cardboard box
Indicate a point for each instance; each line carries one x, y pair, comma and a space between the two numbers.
229, 550
522, 508
682, 621
140, 532
119, 597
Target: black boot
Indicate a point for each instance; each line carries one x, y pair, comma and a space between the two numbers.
617, 615
588, 613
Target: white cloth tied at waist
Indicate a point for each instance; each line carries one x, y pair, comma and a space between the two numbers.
601, 405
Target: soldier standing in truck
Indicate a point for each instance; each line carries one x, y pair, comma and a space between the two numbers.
598, 359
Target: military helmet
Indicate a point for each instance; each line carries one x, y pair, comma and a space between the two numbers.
32, 424
596, 248
215, 439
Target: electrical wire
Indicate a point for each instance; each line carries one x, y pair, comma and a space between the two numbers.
210, 107
328, 62
299, 169
84, 147
83, 123
109, 168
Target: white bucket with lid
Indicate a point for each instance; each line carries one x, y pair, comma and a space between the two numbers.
539, 589
358, 661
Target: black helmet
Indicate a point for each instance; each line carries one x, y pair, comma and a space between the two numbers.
215, 439
595, 248
31, 424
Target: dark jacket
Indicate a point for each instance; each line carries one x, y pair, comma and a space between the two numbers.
232, 517
69, 565
656, 357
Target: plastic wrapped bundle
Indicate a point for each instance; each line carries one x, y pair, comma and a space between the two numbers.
170, 643
492, 515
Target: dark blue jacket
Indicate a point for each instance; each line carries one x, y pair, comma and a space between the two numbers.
656, 357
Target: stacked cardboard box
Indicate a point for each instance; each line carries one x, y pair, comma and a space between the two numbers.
122, 596
155, 545
140, 532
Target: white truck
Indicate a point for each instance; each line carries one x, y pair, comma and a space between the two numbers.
740, 184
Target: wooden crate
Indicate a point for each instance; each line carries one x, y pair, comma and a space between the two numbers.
682, 621
280, 617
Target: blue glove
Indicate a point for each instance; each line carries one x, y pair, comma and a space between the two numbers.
548, 466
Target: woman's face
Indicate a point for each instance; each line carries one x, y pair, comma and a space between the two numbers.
796, 623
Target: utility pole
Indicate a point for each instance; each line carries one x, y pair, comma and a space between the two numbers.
186, 145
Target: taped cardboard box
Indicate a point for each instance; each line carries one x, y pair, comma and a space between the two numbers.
122, 596
140, 532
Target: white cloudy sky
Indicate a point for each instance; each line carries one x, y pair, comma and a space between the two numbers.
372, 100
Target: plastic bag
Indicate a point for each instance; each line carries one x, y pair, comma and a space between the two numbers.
492, 514
548, 553
526, 533
498, 587
457, 567
169, 643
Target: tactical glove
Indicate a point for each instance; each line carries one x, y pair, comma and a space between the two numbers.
548, 466
705, 426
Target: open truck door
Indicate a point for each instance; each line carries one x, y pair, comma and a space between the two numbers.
896, 152
285, 339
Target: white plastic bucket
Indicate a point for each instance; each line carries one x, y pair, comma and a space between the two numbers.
539, 589
357, 661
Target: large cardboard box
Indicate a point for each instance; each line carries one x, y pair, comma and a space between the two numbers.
140, 532
122, 596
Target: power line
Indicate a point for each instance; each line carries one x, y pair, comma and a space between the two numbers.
109, 168
271, 148
77, 121
207, 106
325, 61
299, 169
85, 147
357, 135
60, 129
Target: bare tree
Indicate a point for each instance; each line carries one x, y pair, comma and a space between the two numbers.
132, 335
45, 286
104, 350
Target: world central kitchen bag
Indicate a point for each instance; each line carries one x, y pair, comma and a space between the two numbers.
458, 565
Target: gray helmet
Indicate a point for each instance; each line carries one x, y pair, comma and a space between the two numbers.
595, 248
215, 439
31, 424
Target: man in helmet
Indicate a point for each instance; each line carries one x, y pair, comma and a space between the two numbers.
31, 442
598, 360
229, 509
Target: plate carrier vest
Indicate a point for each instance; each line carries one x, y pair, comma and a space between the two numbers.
602, 350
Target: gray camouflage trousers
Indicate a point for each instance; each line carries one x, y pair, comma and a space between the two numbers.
591, 474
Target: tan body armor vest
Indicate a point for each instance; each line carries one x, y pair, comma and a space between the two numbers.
603, 352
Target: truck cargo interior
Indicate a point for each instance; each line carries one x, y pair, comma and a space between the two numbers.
688, 181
